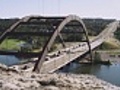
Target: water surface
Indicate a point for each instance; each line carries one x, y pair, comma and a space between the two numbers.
109, 73
9, 60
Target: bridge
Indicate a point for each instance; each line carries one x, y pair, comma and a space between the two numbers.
56, 27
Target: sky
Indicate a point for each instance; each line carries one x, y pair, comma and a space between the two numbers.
82, 8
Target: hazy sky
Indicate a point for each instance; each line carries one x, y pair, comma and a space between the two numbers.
82, 8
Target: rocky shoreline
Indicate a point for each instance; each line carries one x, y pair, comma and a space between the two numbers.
13, 79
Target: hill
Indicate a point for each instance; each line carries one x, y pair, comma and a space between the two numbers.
94, 26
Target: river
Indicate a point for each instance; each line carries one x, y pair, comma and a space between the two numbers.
9, 60
109, 73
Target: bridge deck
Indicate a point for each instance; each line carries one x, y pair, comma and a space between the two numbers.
71, 54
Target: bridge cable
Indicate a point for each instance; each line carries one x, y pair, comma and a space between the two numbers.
58, 33
7, 48
43, 7
59, 4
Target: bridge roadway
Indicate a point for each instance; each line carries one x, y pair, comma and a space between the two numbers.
67, 55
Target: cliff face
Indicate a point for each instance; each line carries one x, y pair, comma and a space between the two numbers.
13, 79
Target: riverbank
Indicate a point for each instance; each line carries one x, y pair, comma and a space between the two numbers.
14, 79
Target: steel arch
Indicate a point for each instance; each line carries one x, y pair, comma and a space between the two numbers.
13, 27
51, 40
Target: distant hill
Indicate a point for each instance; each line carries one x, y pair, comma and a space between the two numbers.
94, 26
6, 23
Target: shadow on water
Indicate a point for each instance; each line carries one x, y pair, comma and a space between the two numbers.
109, 73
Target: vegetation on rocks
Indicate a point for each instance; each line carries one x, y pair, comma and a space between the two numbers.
108, 46
117, 34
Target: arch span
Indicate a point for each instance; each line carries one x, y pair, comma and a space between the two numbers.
55, 24
13, 27
57, 31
